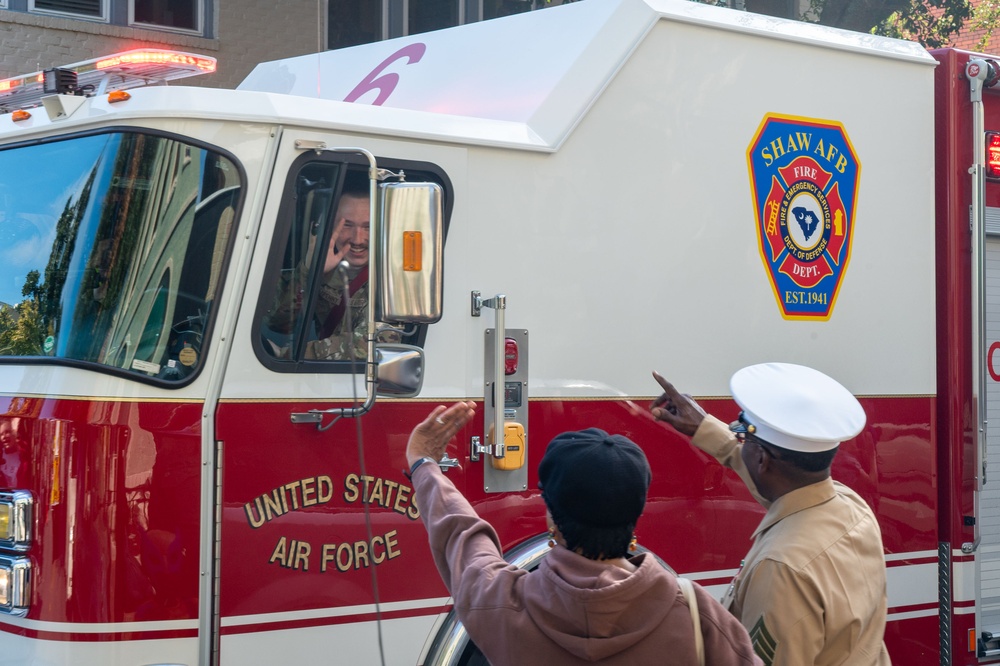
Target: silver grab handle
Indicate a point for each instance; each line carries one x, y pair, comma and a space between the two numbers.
499, 304
498, 373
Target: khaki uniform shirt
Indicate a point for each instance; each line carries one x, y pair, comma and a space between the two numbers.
812, 589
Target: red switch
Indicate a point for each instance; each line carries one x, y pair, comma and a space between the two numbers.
509, 356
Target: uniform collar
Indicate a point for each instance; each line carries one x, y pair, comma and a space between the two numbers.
795, 501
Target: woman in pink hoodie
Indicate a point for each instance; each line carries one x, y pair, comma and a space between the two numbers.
588, 602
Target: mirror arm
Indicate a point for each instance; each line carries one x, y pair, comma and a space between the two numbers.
316, 415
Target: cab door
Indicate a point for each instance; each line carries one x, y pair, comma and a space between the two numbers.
321, 548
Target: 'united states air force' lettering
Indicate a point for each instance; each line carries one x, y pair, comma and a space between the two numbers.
318, 493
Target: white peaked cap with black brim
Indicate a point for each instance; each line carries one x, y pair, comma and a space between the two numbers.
796, 407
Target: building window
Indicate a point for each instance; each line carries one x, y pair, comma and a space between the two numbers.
353, 22
179, 15
427, 15
192, 17
779, 8
497, 8
91, 9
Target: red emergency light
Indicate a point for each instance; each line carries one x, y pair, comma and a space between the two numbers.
119, 71
157, 57
993, 155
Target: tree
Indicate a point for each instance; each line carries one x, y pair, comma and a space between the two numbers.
930, 22
20, 329
985, 17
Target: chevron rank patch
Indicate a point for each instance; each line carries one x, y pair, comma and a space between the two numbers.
804, 179
763, 642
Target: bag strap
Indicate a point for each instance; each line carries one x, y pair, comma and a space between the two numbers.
687, 587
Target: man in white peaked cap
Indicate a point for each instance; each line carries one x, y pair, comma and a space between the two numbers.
812, 588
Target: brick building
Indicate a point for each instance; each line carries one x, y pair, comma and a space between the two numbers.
239, 34
39, 34
968, 38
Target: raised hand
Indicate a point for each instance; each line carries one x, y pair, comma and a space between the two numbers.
431, 436
678, 409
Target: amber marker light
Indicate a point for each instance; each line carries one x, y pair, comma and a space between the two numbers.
16, 509
118, 96
412, 251
20, 114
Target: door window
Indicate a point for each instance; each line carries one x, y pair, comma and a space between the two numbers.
313, 309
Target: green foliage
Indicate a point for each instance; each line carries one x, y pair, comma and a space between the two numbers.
24, 327
31, 288
985, 17
930, 22
20, 329
933, 23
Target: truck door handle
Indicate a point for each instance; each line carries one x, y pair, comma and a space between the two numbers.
446, 463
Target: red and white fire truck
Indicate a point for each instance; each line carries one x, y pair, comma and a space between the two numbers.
617, 186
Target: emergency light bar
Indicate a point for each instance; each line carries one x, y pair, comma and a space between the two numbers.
128, 69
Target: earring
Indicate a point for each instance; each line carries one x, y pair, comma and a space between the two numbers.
552, 537
631, 544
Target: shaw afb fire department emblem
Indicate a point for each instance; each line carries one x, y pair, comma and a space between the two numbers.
804, 180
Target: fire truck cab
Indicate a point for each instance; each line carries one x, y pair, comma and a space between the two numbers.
225, 310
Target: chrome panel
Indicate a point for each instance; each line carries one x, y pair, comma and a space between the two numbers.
400, 370
407, 295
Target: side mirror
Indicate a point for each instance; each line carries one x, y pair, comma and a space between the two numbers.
410, 252
399, 370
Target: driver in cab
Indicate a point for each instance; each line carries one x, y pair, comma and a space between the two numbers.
339, 325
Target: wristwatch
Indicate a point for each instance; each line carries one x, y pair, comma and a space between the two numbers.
418, 463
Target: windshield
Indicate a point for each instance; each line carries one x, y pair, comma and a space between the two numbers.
111, 248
